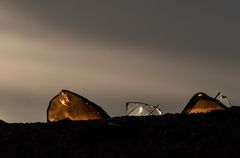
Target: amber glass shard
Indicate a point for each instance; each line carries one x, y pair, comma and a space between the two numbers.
202, 103
68, 105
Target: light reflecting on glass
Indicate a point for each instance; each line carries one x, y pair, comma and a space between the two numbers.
63, 98
142, 109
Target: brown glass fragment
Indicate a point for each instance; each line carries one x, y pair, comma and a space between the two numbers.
68, 105
202, 103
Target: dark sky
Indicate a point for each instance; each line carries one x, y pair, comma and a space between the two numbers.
116, 51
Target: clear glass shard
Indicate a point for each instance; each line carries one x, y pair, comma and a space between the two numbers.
142, 109
224, 99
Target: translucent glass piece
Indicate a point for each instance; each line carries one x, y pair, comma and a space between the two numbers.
142, 109
68, 105
224, 99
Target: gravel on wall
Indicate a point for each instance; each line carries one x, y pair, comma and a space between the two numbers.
215, 134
